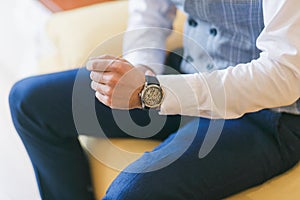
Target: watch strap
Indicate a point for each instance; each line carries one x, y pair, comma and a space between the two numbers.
152, 80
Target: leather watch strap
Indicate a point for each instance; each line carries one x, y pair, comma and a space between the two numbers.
152, 80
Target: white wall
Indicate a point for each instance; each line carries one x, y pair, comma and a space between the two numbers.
22, 41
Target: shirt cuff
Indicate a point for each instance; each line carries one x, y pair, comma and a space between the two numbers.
184, 95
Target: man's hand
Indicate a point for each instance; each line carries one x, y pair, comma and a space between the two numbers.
117, 83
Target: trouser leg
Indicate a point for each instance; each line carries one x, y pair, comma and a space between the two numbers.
42, 111
250, 150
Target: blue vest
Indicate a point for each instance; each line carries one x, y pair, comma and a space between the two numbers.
222, 33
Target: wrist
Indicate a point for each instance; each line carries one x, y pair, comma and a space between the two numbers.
136, 99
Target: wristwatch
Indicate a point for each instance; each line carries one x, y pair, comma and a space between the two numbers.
152, 94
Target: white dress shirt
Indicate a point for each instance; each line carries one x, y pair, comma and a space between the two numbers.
270, 81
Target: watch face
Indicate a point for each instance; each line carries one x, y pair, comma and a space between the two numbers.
152, 96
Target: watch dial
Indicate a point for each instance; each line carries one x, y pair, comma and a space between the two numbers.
152, 96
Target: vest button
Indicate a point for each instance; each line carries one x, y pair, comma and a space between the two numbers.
189, 59
209, 66
213, 31
192, 22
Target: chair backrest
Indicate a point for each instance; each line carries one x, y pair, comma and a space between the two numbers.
77, 34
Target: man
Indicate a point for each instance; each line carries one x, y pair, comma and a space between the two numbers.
241, 58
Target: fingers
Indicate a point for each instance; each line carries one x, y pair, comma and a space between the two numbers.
105, 63
102, 88
108, 78
103, 99
100, 65
115, 79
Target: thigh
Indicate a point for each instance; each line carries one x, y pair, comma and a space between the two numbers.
246, 154
64, 103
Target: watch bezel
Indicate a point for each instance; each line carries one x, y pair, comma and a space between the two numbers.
142, 95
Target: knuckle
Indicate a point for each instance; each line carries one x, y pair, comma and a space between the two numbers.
93, 86
92, 75
97, 77
89, 64
111, 80
92, 65
95, 65
97, 87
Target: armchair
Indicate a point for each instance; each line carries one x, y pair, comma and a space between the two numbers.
75, 34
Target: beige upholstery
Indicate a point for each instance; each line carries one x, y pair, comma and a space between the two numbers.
102, 172
75, 34
283, 187
78, 32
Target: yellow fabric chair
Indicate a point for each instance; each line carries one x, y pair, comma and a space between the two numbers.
76, 34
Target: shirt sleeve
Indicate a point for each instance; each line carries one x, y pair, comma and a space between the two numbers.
272, 80
150, 23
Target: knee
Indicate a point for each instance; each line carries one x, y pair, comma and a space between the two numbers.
23, 95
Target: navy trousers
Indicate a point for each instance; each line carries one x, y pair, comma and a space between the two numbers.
249, 150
